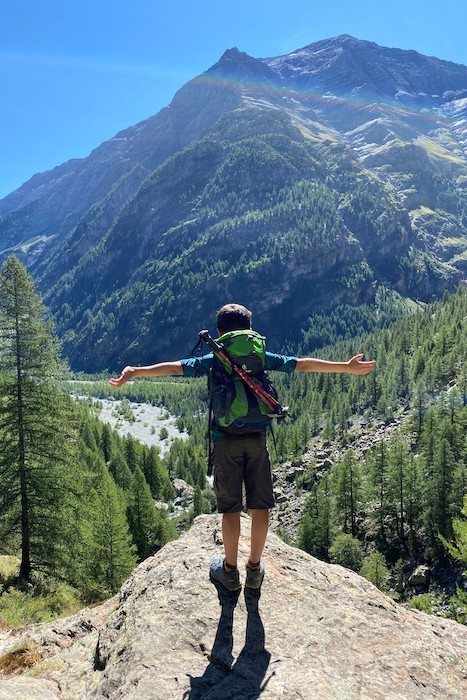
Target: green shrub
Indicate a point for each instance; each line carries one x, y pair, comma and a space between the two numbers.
374, 569
458, 605
346, 551
423, 603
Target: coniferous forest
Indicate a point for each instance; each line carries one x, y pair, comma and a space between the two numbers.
80, 504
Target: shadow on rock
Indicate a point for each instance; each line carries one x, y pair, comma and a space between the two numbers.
245, 679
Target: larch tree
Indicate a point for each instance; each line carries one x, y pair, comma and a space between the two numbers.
397, 485
314, 532
110, 555
348, 491
378, 486
38, 490
143, 517
374, 569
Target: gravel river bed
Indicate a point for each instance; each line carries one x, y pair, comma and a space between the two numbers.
150, 425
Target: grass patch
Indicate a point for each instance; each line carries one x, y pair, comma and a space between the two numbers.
20, 658
422, 211
20, 607
395, 144
44, 666
319, 136
454, 242
437, 150
9, 567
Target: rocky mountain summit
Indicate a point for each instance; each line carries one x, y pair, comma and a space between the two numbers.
296, 184
317, 631
347, 63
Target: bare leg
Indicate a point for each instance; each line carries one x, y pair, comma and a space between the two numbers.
259, 532
231, 535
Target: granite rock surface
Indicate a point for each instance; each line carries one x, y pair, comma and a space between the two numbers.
315, 631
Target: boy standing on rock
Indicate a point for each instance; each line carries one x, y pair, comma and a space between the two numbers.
240, 456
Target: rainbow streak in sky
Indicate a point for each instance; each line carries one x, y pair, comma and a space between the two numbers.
313, 98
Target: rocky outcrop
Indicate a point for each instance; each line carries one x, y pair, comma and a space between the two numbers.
318, 631
54, 660
294, 480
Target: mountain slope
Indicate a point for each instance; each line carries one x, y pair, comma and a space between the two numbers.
293, 183
290, 246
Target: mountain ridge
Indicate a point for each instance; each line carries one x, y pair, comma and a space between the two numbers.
124, 243
371, 59
233, 52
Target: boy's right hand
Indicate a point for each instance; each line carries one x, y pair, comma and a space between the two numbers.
127, 373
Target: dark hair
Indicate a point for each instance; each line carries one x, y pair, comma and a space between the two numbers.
233, 317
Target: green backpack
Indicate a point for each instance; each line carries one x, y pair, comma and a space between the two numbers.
237, 408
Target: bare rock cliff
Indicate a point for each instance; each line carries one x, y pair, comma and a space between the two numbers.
319, 631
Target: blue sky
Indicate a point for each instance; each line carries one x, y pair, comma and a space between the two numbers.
74, 74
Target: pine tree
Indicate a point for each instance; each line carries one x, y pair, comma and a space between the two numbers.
37, 454
413, 500
379, 478
143, 517
419, 402
131, 453
374, 569
314, 533
445, 465
154, 472
197, 502
119, 470
459, 548
110, 557
437, 482
348, 492
305, 539
397, 485
106, 442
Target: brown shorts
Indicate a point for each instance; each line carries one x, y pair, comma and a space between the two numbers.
242, 460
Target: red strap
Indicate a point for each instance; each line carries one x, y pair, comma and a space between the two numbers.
266, 398
251, 382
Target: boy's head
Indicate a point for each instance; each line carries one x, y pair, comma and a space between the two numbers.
233, 317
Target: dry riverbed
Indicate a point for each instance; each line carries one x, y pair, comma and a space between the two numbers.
150, 425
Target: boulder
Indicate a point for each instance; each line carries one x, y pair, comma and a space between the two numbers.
314, 631
420, 577
293, 473
182, 488
280, 497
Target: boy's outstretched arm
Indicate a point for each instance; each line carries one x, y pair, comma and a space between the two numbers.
162, 369
354, 366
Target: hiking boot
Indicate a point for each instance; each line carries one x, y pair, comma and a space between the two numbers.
254, 578
230, 580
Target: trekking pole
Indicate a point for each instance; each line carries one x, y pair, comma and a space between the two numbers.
255, 386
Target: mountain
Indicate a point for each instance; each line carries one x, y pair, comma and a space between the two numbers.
293, 184
317, 631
